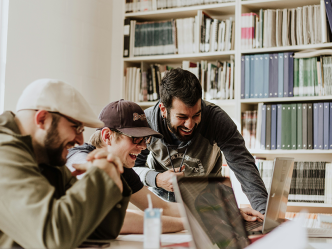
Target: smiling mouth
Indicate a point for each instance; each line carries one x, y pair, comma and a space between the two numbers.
186, 131
133, 156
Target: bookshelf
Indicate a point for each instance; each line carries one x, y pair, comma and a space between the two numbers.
236, 106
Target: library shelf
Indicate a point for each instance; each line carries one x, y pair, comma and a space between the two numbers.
288, 99
256, 5
293, 152
309, 204
180, 57
219, 102
287, 48
184, 12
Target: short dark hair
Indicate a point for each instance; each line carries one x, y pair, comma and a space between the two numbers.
181, 84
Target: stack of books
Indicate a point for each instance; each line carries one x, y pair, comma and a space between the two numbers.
309, 182
285, 27
294, 126
183, 36
150, 5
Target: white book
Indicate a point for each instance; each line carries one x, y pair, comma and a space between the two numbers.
285, 27
299, 26
214, 36
219, 36
305, 25
179, 35
132, 50
223, 34
293, 29
227, 34
323, 21
317, 24
311, 25
265, 32
207, 34
279, 19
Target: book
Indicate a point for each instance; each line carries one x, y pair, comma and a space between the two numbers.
247, 76
266, 75
242, 77
268, 127
279, 120
299, 130
280, 74
126, 37
273, 127
293, 131
286, 127
263, 130
326, 125
310, 126
304, 125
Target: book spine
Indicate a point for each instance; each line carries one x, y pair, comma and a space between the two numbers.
247, 76
242, 77
279, 122
126, 38
304, 126
320, 134
293, 126
330, 123
286, 72
266, 76
299, 143
274, 127
281, 75
252, 76
310, 127
268, 127
326, 125
291, 75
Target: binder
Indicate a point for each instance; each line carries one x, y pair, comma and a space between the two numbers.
273, 127
247, 76
330, 140
263, 127
242, 77
310, 127
281, 75
326, 125
252, 76
293, 127
299, 143
266, 75
315, 124
320, 134
259, 76
286, 72
279, 108
286, 127
304, 126
268, 128
290, 74
273, 76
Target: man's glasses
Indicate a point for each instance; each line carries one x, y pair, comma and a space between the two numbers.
136, 140
79, 128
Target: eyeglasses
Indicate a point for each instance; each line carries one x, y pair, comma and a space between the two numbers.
136, 140
79, 128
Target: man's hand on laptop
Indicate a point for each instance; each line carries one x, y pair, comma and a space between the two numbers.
250, 214
164, 180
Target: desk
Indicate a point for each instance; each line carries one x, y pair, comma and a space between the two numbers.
313, 243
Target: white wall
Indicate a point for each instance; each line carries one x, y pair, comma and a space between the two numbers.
67, 40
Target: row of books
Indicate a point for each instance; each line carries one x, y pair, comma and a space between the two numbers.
281, 75
150, 5
294, 126
309, 182
183, 36
285, 27
142, 84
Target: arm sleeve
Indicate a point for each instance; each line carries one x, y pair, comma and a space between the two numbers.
147, 175
231, 143
33, 218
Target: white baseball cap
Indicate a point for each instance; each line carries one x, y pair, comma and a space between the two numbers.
57, 96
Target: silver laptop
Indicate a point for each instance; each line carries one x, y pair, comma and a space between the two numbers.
212, 214
277, 199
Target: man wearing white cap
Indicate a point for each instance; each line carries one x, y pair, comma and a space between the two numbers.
40, 206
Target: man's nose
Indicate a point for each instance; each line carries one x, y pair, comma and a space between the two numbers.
142, 145
189, 124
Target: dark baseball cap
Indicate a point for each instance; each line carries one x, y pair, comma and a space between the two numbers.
127, 117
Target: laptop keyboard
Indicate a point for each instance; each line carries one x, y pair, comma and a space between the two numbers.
250, 225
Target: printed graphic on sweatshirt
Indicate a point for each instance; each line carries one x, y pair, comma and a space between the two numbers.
193, 166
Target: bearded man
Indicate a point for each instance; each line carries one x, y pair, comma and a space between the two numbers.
195, 134
41, 204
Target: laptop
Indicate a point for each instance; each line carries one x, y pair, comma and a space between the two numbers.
212, 214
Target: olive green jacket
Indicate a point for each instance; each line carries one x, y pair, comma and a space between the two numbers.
45, 207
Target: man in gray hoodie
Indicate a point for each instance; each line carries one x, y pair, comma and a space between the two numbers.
195, 134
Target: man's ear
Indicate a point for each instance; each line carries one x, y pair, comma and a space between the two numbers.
106, 135
43, 119
163, 110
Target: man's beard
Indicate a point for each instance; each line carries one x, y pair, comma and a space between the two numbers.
54, 151
176, 132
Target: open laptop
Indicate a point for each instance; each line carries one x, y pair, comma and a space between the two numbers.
212, 214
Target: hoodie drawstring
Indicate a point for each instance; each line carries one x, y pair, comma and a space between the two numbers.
185, 152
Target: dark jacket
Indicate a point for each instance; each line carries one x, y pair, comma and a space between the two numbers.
216, 134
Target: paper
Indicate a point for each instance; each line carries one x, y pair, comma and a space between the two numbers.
290, 235
165, 238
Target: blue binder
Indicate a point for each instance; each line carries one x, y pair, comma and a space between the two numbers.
281, 75
266, 75
247, 76
259, 76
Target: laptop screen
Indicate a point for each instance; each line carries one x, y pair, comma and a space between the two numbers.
212, 212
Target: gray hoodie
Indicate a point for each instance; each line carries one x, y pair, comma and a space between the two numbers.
216, 134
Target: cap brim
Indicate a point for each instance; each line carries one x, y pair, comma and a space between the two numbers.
140, 132
93, 124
